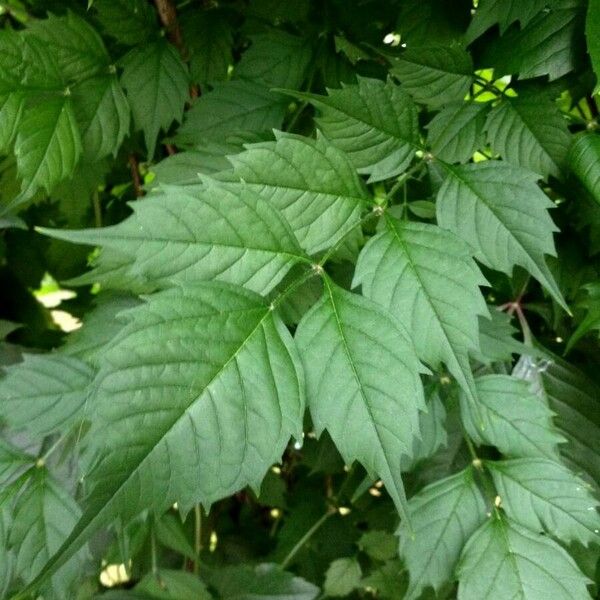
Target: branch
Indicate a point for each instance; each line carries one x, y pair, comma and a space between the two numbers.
168, 18
135, 176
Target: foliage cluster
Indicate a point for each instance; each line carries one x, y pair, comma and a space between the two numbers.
336, 265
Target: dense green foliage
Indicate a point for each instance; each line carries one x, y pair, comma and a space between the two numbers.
336, 265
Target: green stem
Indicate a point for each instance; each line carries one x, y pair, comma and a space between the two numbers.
197, 537
305, 538
153, 549
403, 178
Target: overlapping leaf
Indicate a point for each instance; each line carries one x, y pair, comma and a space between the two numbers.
363, 382
311, 182
503, 215
129, 21
183, 235
503, 13
443, 517
156, 81
457, 131
584, 161
434, 75
103, 115
544, 495
374, 122
45, 516
231, 107
517, 133
276, 59
426, 278
515, 420
551, 44
208, 413
45, 392
503, 560
48, 145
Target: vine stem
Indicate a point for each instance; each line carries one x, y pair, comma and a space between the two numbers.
197, 537
305, 538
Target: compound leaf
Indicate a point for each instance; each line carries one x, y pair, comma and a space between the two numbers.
212, 410
131, 22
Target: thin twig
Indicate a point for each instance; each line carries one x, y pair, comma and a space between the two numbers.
135, 175
168, 17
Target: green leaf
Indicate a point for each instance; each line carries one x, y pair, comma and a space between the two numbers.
44, 393
263, 582
185, 168
231, 107
591, 321
389, 580
502, 214
131, 22
276, 59
11, 112
592, 35
432, 433
427, 279
48, 145
100, 326
516, 131
169, 584
343, 576
170, 533
576, 401
504, 14
542, 494
75, 45
167, 239
378, 544
515, 420
503, 560
496, 340
434, 75
443, 515
584, 161
156, 81
11, 460
102, 112
551, 44
363, 383
421, 21
311, 182
374, 122
457, 131
45, 515
217, 406
209, 38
